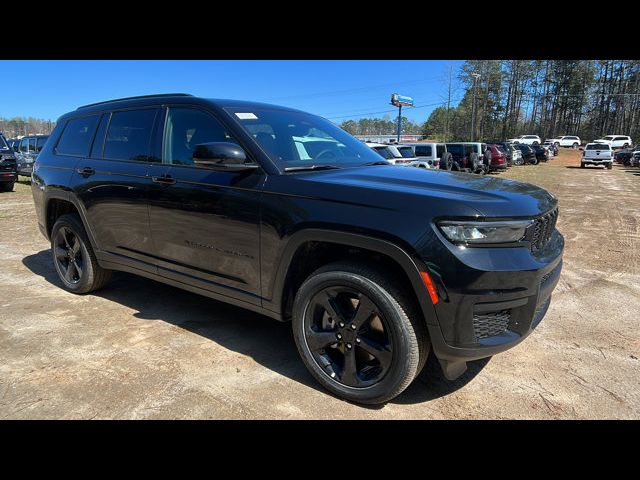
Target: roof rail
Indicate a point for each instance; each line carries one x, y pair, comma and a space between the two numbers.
139, 96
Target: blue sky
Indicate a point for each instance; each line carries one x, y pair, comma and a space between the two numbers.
338, 90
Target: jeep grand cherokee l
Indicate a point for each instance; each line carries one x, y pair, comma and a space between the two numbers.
374, 265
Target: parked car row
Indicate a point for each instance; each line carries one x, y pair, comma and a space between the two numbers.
573, 141
629, 157
471, 157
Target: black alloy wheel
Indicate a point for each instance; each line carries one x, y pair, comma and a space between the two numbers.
69, 258
348, 336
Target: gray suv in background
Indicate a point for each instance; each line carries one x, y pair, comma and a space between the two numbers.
28, 151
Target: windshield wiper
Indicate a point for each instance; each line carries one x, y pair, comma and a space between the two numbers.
303, 168
377, 162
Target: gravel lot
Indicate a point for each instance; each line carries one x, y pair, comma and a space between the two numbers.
140, 349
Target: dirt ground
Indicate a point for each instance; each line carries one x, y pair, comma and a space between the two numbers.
140, 349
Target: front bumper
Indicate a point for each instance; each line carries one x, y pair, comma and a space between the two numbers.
495, 298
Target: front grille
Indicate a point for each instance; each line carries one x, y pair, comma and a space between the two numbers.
491, 324
540, 231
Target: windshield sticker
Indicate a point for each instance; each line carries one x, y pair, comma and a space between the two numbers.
246, 116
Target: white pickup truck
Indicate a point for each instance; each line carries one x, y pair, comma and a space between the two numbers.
597, 154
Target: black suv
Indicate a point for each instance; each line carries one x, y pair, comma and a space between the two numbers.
284, 213
8, 173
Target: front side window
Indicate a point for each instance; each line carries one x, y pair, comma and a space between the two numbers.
185, 129
609, 137
77, 136
24, 144
293, 138
129, 135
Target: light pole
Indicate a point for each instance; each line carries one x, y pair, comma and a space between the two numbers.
475, 76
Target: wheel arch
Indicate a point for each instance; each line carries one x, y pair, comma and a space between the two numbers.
59, 203
408, 266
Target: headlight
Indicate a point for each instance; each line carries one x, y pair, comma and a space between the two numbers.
484, 232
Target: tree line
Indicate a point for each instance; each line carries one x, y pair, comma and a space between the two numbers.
20, 126
508, 98
380, 126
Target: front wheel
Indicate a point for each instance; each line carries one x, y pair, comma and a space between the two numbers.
534, 161
609, 166
357, 334
582, 165
6, 186
73, 257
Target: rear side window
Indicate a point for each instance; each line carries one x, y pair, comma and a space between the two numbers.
129, 135
423, 151
23, 145
440, 150
77, 135
40, 141
621, 139
32, 144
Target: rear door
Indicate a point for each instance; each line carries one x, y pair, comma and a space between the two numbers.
204, 223
112, 182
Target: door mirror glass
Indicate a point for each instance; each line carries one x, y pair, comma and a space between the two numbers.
219, 155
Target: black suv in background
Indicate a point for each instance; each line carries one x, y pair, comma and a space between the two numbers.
8, 173
528, 154
282, 212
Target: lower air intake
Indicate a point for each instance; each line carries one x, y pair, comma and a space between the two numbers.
491, 324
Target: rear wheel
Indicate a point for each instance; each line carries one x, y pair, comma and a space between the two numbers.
474, 162
575, 146
357, 334
582, 165
73, 257
6, 186
534, 160
609, 166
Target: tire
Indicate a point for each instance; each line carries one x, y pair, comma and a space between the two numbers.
626, 145
534, 161
446, 162
535, 143
66, 231
609, 166
7, 186
404, 329
582, 165
575, 146
474, 162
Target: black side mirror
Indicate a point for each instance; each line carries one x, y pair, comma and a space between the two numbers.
225, 156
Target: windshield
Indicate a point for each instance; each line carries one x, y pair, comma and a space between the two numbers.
297, 139
598, 146
406, 152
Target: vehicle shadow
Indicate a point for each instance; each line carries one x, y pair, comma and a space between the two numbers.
269, 342
592, 167
431, 383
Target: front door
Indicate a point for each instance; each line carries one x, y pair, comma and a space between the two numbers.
204, 223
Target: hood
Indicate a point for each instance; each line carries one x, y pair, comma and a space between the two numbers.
415, 189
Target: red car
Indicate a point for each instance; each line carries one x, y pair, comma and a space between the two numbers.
498, 158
